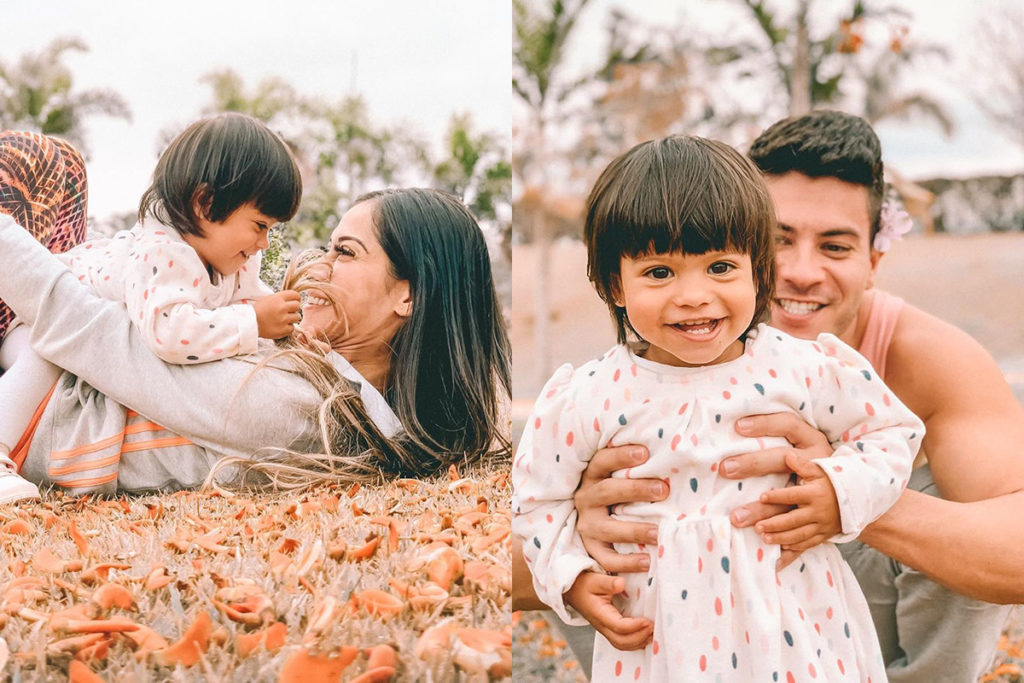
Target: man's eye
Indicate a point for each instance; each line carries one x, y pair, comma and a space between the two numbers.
720, 267
659, 273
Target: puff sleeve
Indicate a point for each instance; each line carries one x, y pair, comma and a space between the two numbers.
546, 471
874, 435
163, 291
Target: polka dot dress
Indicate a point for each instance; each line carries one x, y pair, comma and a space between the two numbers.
185, 316
721, 611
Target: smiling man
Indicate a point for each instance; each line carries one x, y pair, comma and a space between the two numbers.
824, 172
948, 530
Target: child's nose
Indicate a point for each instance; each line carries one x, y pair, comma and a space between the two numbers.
691, 292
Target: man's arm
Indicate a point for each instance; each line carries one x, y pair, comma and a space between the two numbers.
966, 547
975, 427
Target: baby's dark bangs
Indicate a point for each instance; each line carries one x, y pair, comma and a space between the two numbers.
697, 232
276, 186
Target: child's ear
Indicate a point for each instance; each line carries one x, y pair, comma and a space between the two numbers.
201, 201
615, 285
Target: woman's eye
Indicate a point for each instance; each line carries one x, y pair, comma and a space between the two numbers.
342, 250
659, 273
836, 248
720, 268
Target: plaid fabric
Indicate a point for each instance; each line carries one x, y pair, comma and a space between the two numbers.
43, 187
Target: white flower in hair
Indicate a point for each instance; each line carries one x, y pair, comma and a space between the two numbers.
893, 224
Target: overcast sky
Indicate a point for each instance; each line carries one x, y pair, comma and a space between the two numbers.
415, 62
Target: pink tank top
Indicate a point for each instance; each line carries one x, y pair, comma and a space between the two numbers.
874, 345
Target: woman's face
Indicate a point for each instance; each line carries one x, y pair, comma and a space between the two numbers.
373, 302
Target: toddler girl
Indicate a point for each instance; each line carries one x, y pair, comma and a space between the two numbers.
679, 237
188, 272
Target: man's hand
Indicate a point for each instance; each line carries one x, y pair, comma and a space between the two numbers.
277, 314
806, 444
598, 491
816, 517
591, 594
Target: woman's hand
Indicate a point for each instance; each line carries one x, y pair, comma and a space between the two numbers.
276, 314
806, 444
598, 491
591, 595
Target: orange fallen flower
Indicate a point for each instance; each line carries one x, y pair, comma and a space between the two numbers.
444, 564
381, 655
364, 552
112, 625
320, 619
146, 641
380, 674
483, 651
157, 578
80, 542
191, 646
112, 595
94, 653
48, 563
74, 643
378, 603
80, 673
100, 572
270, 639
17, 527
427, 596
482, 543
246, 604
303, 667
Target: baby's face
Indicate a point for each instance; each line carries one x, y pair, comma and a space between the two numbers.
692, 309
227, 245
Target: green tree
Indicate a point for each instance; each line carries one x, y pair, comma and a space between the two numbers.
542, 31
474, 168
271, 99
37, 93
353, 155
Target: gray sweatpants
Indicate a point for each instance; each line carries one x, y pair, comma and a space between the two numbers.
928, 633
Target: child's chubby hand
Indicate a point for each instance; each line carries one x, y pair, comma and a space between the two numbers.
277, 313
591, 594
816, 517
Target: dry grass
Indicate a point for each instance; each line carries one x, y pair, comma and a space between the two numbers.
248, 561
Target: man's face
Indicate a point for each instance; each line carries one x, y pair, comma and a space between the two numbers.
824, 261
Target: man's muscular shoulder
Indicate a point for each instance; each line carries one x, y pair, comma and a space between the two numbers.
974, 425
932, 363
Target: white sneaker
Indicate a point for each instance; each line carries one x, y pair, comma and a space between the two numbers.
13, 488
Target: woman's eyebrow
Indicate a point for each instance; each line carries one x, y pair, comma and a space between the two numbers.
350, 238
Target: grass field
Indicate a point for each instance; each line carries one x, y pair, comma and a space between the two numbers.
405, 581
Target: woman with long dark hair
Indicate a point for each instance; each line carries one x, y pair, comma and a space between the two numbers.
404, 367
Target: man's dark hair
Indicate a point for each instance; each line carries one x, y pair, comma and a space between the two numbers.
825, 144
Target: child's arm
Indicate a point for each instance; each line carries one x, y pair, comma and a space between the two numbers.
591, 594
164, 297
875, 438
545, 473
